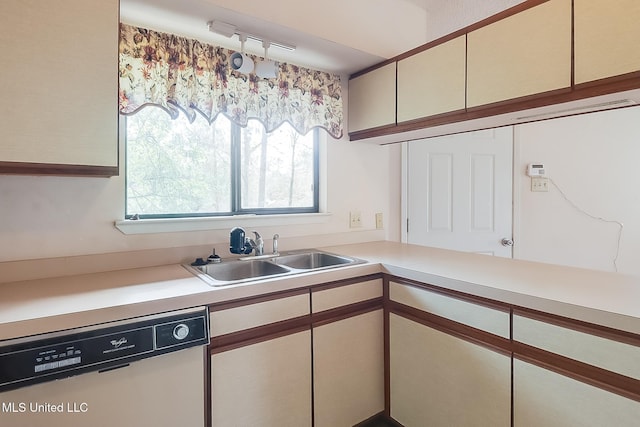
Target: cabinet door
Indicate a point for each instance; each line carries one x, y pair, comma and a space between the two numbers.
545, 399
441, 380
524, 54
432, 82
348, 370
372, 99
267, 384
607, 38
60, 85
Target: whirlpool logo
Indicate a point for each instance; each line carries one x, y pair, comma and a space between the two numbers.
119, 343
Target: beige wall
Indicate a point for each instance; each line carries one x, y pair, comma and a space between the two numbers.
46, 217
594, 159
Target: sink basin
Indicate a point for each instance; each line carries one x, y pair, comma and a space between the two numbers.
312, 260
242, 270
230, 272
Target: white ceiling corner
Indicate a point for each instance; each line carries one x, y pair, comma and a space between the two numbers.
333, 35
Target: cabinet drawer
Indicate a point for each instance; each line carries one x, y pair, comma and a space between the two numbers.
262, 313
477, 316
604, 353
344, 295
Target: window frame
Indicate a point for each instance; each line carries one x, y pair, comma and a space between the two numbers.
236, 187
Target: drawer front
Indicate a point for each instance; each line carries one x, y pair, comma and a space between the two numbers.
258, 314
477, 316
344, 295
604, 353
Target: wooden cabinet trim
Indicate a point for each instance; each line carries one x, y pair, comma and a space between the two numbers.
256, 300
24, 168
580, 326
585, 373
346, 311
459, 330
484, 302
258, 334
345, 282
483, 23
277, 329
604, 86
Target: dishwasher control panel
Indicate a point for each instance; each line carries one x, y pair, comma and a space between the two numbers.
55, 355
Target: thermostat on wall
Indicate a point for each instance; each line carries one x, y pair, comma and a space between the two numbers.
536, 169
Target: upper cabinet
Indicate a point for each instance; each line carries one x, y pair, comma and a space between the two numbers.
525, 54
607, 38
527, 62
432, 81
372, 99
59, 88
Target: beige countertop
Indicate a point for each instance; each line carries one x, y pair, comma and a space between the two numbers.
39, 306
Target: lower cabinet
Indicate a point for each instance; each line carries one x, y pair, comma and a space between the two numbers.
280, 361
437, 379
348, 370
315, 357
542, 398
263, 384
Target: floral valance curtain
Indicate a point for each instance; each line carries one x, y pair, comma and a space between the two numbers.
177, 73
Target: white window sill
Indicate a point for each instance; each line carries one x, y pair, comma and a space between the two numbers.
173, 225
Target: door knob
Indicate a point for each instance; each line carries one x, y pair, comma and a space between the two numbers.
506, 242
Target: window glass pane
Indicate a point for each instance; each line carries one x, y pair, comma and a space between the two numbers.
177, 167
277, 168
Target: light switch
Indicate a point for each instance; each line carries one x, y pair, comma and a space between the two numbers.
539, 183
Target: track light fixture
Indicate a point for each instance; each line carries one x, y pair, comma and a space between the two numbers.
239, 60
266, 69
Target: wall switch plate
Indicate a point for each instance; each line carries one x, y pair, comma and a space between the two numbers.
539, 183
355, 219
379, 223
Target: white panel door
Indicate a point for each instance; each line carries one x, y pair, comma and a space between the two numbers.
459, 191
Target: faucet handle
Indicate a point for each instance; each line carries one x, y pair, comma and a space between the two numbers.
275, 243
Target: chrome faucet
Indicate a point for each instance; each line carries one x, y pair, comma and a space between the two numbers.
275, 244
257, 244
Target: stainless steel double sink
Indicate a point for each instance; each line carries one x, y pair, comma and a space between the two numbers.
246, 269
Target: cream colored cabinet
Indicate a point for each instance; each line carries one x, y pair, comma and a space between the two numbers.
611, 355
525, 54
348, 357
348, 370
437, 378
267, 384
60, 85
433, 81
264, 377
543, 398
372, 99
607, 38
547, 398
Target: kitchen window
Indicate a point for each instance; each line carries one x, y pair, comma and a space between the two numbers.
176, 169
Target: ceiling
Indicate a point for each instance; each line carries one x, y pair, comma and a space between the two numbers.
333, 35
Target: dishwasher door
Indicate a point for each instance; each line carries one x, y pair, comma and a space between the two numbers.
165, 390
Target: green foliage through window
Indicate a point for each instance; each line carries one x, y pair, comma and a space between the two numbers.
179, 169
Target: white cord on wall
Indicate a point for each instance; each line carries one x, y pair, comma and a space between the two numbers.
598, 218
